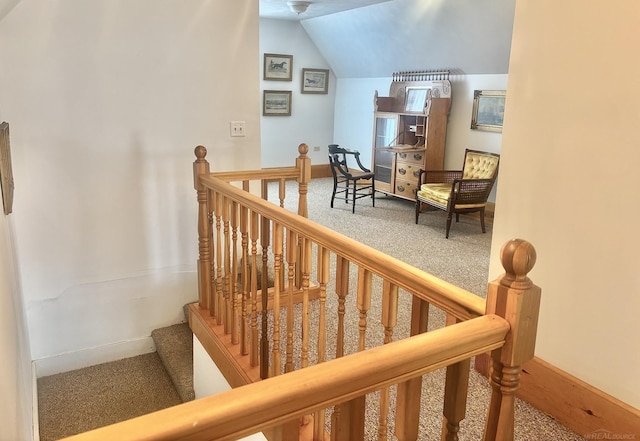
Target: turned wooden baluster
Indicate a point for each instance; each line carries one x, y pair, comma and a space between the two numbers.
364, 304
235, 307
253, 339
306, 260
342, 290
282, 195
409, 393
455, 395
351, 415
290, 429
213, 294
226, 274
265, 241
389, 321
514, 297
278, 239
291, 274
218, 264
282, 191
340, 418
201, 168
265, 228
324, 273
245, 279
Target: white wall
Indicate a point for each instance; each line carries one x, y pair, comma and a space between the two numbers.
569, 183
354, 116
208, 380
353, 127
107, 100
311, 120
15, 369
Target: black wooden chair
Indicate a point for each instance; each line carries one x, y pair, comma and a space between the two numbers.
351, 182
459, 191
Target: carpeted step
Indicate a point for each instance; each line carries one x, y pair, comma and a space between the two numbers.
174, 345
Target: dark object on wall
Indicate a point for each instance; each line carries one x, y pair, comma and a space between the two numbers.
276, 103
488, 110
315, 81
6, 172
278, 67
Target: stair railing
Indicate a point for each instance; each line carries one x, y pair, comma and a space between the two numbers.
275, 241
312, 276
342, 382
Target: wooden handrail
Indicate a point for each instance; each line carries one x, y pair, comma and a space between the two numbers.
264, 173
460, 303
249, 409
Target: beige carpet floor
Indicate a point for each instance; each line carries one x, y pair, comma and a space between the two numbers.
84, 399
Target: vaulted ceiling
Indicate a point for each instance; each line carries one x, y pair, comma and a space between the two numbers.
464, 36
367, 38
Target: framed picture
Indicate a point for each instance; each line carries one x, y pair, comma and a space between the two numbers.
488, 110
278, 67
6, 171
276, 103
315, 81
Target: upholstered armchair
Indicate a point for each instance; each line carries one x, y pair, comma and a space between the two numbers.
459, 191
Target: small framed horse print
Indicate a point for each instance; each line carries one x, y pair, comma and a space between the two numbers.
278, 67
315, 81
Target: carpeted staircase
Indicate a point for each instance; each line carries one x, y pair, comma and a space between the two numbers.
174, 345
84, 399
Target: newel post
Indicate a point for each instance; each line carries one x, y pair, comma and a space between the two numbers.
514, 297
303, 164
201, 168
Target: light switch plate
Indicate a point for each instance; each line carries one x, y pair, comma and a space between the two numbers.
237, 128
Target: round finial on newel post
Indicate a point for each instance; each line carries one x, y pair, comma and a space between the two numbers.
200, 152
303, 149
518, 258
200, 167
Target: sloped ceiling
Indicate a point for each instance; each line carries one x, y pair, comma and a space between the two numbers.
464, 36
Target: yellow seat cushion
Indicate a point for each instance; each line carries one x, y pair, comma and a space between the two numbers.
438, 194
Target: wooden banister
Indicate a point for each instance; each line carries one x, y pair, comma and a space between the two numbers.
448, 297
258, 406
243, 234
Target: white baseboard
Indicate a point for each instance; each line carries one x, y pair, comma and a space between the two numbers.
91, 356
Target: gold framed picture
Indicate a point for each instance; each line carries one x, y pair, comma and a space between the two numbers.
488, 110
276, 103
315, 81
278, 67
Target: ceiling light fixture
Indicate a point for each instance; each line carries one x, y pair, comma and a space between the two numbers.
298, 7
